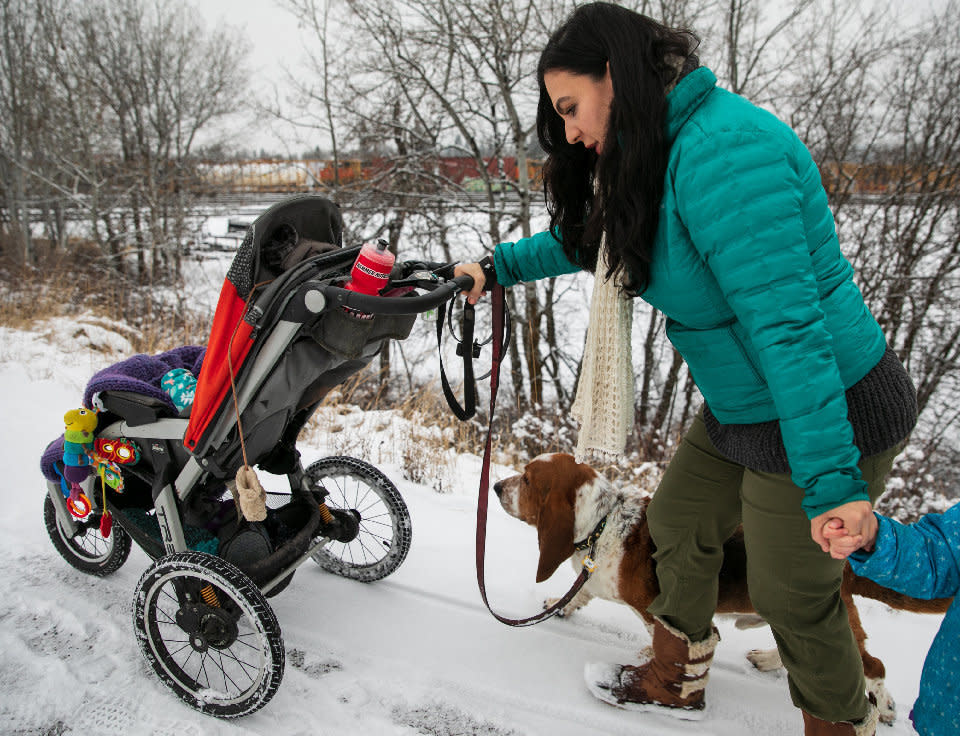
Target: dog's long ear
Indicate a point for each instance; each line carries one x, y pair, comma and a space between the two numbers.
555, 531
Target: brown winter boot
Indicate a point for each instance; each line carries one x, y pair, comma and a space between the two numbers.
671, 682
813, 726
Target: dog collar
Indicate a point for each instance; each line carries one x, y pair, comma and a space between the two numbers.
592, 537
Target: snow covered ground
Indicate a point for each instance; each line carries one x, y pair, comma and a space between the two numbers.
415, 653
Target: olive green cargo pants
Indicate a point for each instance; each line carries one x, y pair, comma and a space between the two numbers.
793, 584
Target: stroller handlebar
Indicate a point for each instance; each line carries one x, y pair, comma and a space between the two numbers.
438, 291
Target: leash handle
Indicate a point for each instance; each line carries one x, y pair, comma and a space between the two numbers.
498, 299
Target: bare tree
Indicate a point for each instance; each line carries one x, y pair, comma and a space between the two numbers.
163, 78
912, 232
24, 100
100, 107
753, 58
316, 79
431, 78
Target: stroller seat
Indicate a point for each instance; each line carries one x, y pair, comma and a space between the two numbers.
131, 389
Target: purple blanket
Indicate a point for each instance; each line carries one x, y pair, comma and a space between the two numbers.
140, 374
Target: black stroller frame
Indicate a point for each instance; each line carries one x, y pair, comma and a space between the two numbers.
202, 604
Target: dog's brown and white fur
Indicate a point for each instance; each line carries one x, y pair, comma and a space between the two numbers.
565, 501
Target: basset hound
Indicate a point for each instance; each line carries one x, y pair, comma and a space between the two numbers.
568, 502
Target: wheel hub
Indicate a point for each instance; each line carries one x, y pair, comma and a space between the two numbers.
207, 626
83, 527
346, 525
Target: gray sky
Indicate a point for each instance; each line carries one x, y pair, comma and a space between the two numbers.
272, 32
276, 42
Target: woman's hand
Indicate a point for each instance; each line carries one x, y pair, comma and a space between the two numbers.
479, 280
845, 529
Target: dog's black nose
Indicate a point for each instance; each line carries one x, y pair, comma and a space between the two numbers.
497, 488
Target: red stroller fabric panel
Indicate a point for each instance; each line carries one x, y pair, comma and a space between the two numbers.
213, 383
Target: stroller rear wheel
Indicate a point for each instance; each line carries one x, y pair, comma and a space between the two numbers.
209, 634
385, 529
87, 550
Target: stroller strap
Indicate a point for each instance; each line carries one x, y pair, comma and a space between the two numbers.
468, 349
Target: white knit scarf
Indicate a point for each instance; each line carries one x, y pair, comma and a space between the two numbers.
604, 402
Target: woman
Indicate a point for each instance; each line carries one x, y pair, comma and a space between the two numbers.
713, 211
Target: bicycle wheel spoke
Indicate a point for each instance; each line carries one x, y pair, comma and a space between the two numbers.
246, 643
203, 669
365, 510
185, 644
245, 667
168, 619
168, 595
377, 524
226, 677
366, 549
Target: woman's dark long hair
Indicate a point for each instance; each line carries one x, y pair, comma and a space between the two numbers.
620, 191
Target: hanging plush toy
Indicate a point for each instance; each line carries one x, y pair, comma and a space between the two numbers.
110, 453
77, 448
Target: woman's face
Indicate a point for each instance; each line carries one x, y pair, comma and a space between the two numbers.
583, 103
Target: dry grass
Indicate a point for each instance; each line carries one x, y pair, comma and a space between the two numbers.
28, 299
416, 431
66, 286
419, 433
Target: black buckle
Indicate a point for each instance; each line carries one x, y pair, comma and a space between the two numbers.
475, 351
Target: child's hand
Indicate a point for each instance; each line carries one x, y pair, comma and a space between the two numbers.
842, 543
845, 529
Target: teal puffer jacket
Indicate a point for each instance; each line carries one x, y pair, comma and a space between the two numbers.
747, 268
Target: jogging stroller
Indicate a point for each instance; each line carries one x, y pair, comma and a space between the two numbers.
134, 465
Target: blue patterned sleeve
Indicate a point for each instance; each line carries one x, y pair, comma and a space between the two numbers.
921, 560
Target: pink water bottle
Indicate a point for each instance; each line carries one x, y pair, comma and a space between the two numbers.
371, 270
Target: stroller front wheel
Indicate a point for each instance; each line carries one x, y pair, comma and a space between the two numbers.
88, 550
385, 530
209, 634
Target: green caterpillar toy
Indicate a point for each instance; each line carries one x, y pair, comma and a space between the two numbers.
77, 447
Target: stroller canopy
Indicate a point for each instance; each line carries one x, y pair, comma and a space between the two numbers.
277, 240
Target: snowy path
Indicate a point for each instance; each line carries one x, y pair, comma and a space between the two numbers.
415, 653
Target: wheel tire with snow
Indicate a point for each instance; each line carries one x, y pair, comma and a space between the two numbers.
88, 550
209, 634
385, 527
